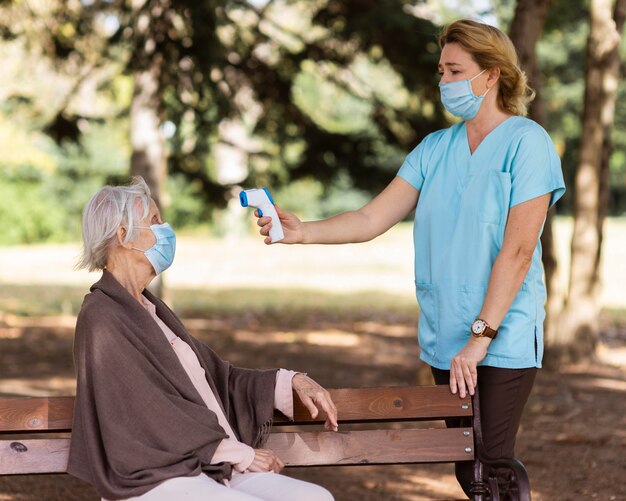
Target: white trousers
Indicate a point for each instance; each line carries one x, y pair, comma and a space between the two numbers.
243, 487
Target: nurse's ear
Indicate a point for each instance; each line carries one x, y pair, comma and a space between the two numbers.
493, 76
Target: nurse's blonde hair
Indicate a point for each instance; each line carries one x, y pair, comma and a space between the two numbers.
491, 48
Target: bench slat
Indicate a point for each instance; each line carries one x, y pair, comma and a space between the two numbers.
389, 403
295, 449
373, 446
41, 456
36, 414
353, 405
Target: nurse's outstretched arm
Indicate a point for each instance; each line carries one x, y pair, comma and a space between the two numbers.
392, 205
522, 231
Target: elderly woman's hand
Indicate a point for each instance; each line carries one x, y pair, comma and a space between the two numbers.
266, 460
313, 396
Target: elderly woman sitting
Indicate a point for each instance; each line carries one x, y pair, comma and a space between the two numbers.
160, 416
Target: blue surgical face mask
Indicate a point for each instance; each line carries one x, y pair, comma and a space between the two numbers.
459, 99
161, 254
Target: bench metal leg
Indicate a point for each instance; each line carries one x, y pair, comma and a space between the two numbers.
479, 487
507, 481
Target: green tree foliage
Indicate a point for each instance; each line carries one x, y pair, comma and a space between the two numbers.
24, 211
373, 68
561, 54
329, 94
24, 201
329, 91
562, 59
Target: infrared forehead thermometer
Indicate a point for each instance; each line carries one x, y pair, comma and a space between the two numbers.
262, 201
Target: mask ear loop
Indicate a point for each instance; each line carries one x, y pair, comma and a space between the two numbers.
137, 248
476, 76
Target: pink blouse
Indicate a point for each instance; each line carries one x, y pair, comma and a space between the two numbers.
230, 449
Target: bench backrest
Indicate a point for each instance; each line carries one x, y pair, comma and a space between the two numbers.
33, 431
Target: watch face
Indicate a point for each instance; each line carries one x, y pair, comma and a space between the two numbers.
478, 327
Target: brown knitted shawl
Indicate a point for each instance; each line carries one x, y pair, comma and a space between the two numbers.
138, 419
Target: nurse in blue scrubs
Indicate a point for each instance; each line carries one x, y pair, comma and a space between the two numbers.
481, 190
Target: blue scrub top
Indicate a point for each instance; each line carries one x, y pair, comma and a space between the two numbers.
463, 205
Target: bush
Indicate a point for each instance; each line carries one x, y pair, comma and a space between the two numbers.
27, 215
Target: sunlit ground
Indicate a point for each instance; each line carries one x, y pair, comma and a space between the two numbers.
243, 261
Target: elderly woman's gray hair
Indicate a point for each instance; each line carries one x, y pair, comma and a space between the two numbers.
110, 208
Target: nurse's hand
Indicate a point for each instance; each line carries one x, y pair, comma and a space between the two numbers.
463, 374
292, 226
266, 460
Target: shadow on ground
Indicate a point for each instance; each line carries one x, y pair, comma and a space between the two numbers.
572, 437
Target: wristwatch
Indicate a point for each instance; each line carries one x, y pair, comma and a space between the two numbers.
480, 328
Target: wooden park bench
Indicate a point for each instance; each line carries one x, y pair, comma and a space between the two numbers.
379, 426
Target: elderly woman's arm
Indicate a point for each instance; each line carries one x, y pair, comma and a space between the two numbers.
507, 275
244, 457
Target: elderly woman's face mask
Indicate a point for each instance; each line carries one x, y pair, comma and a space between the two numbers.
161, 254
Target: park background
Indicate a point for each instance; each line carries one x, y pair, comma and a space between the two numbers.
320, 100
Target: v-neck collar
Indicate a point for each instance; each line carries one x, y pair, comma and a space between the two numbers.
491, 133
464, 167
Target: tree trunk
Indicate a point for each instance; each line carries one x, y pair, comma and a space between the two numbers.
578, 327
526, 29
148, 157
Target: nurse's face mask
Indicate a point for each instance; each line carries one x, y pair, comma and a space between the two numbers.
161, 254
459, 99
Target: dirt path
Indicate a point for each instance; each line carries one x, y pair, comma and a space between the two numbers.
573, 438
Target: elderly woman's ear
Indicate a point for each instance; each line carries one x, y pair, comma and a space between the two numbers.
121, 235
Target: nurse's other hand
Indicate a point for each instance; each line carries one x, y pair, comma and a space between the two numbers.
292, 226
463, 374
266, 460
